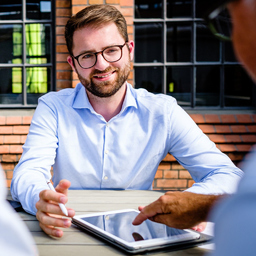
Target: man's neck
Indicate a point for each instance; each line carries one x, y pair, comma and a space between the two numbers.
110, 106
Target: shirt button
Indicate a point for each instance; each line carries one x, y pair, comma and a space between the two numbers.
107, 125
106, 152
105, 177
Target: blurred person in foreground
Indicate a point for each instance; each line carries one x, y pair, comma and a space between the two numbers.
234, 216
15, 239
104, 134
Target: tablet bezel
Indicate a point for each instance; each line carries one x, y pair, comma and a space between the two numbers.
136, 246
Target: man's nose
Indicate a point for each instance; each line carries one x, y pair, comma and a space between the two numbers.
101, 63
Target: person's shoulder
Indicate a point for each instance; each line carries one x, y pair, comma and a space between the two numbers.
153, 100
64, 96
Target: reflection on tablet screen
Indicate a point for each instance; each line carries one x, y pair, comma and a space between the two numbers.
120, 225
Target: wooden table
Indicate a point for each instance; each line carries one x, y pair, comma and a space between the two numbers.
76, 243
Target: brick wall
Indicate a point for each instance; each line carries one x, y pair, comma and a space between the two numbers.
233, 134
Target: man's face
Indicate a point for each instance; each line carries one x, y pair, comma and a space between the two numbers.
104, 79
243, 13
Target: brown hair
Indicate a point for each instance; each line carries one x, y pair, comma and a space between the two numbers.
94, 16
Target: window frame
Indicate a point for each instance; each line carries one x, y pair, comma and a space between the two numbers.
221, 63
25, 65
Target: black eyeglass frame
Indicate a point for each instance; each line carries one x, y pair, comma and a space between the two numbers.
101, 52
212, 12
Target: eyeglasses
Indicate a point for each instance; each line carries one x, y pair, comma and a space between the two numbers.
110, 54
219, 20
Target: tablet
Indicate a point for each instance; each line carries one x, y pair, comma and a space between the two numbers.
116, 227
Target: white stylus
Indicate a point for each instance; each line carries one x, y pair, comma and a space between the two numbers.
62, 206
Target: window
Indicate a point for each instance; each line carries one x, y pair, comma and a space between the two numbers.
176, 54
27, 55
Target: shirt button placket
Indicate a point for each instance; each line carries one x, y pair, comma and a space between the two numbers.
106, 151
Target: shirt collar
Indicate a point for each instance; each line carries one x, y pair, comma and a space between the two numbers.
81, 99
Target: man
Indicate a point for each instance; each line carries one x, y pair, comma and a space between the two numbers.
106, 135
14, 236
235, 216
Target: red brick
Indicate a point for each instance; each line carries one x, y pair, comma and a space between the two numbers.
251, 128
74, 83
12, 139
164, 166
170, 174
23, 139
96, 2
177, 166
129, 20
61, 21
76, 9
2, 120
236, 156
130, 32
159, 174
63, 66
164, 183
238, 128
112, 1
206, 128
61, 48
7, 166
61, 84
222, 129
20, 129
217, 138
126, 2
8, 183
60, 30
233, 138
9, 174
9, 158
249, 138
169, 158
6, 129
210, 118
61, 57
4, 149
184, 175
126, 11
63, 12
244, 148
60, 39
27, 119
16, 149
227, 148
66, 75
64, 3
190, 183
245, 118
1, 139
228, 118
80, 2
254, 118
198, 118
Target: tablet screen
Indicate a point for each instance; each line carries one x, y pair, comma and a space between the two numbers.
120, 225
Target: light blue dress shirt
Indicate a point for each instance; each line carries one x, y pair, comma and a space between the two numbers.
124, 153
235, 217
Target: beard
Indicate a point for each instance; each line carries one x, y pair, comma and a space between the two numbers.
107, 88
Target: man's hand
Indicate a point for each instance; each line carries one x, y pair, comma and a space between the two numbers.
49, 213
178, 210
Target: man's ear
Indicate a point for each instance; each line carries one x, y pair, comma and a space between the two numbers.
70, 61
131, 49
